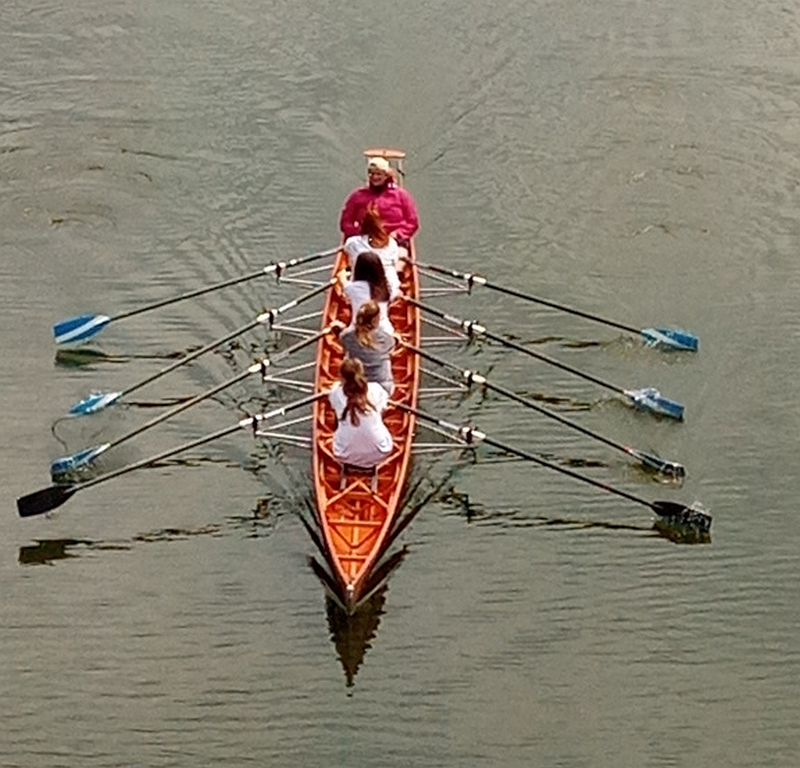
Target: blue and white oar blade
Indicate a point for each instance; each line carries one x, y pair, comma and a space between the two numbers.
94, 402
74, 330
671, 338
66, 464
650, 399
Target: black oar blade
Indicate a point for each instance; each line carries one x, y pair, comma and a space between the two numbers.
680, 515
42, 501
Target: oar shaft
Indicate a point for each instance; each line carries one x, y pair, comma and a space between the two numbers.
551, 361
471, 376
470, 435
256, 368
275, 268
476, 329
473, 279
569, 472
180, 408
248, 422
264, 318
193, 355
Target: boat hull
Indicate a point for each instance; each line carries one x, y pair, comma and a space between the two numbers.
357, 511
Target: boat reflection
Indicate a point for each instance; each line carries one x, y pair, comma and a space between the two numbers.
353, 633
353, 629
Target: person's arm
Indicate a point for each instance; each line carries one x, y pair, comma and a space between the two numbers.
335, 398
380, 395
410, 218
348, 221
385, 342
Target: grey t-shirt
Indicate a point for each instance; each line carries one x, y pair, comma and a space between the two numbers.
376, 361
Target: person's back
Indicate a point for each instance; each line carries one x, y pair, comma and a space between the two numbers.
394, 204
361, 438
376, 239
369, 282
367, 341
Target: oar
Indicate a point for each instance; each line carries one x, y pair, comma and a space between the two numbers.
86, 456
46, 499
649, 399
666, 467
84, 327
669, 338
673, 512
96, 401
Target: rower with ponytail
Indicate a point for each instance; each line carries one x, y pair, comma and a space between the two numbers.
361, 438
369, 282
367, 341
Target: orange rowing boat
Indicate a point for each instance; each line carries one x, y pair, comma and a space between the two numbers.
357, 510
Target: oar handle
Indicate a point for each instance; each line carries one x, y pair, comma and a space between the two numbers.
277, 268
475, 279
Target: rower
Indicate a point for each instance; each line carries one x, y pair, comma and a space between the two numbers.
375, 238
394, 204
361, 438
369, 282
367, 341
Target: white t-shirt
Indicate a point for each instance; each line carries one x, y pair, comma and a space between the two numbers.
370, 442
357, 292
388, 256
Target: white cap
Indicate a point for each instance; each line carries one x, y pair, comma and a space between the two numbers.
381, 163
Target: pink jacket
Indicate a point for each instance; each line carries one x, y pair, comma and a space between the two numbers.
395, 205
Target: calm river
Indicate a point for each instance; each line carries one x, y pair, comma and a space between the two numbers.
637, 160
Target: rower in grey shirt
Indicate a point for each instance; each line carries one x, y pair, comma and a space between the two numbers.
368, 342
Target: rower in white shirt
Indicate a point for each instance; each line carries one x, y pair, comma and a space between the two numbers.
373, 237
361, 438
368, 282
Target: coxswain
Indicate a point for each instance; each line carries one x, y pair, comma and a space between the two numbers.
395, 205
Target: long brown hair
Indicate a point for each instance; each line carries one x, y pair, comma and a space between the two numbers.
369, 268
372, 226
366, 323
355, 387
